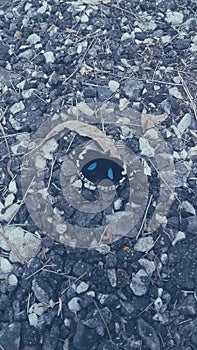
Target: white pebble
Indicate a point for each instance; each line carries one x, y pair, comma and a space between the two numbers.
144, 244
179, 236
74, 305
82, 287
9, 199
113, 85
84, 19
17, 107
12, 280
49, 57
174, 17
175, 93
33, 38
33, 319
12, 187
184, 123
5, 265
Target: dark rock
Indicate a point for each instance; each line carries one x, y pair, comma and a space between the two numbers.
84, 338
42, 290
108, 345
132, 88
94, 320
140, 35
181, 44
148, 335
4, 55
30, 335
189, 224
10, 337
51, 338
103, 93
80, 268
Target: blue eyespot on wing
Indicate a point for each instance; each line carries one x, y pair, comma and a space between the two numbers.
110, 174
92, 166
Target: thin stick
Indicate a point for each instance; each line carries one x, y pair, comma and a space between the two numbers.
185, 87
51, 173
144, 218
7, 145
77, 279
102, 318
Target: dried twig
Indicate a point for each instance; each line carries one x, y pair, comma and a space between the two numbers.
104, 322
82, 129
75, 280
144, 218
188, 93
2, 113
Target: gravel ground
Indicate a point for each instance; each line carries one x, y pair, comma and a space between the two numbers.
124, 277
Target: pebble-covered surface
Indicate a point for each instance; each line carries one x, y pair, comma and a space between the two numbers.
130, 294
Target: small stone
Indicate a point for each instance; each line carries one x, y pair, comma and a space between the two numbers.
192, 152
27, 54
113, 85
158, 304
10, 212
12, 280
133, 88
139, 283
9, 199
49, 57
74, 304
190, 224
112, 277
174, 17
17, 107
43, 8
123, 104
38, 309
12, 187
103, 93
175, 93
84, 108
188, 207
144, 244
148, 335
145, 147
26, 243
166, 39
84, 18
82, 287
179, 236
10, 336
148, 265
125, 36
33, 39
117, 204
184, 123
33, 320
5, 265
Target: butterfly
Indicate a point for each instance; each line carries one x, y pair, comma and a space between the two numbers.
100, 170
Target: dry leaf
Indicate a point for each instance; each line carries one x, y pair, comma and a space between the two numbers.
149, 121
82, 129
